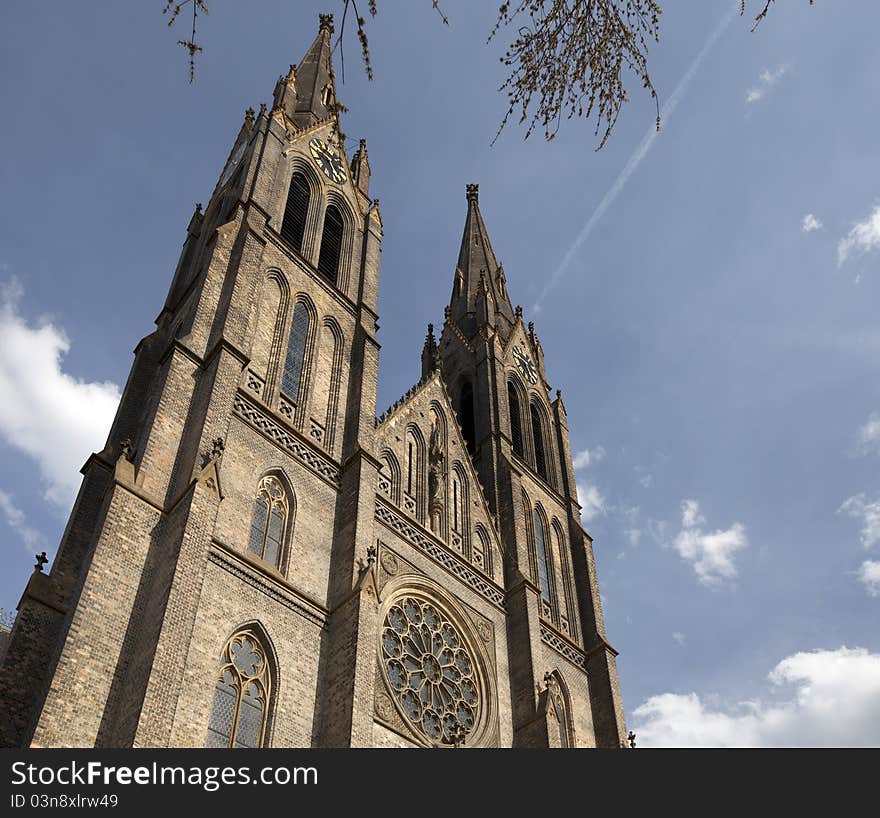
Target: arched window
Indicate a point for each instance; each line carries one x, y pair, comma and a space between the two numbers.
241, 694
538, 435
466, 416
296, 211
331, 244
482, 553
389, 476
456, 504
515, 420
564, 594
291, 379
559, 714
269, 521
415, 477
541, 556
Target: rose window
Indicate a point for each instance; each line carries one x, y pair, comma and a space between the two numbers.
428, 667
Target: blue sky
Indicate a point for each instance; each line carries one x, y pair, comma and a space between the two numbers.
715, 333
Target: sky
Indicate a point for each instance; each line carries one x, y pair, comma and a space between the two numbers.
705, 296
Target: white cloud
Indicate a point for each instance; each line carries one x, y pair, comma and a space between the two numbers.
33, 540
869, 435
690, 514
869, 576
710, 552
48, 414
863, 238
584, 458
591, 500
633, 535
810, 223
678, 637
766, 80
869, 514
824, 698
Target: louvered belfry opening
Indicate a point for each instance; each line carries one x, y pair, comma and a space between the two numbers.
331, 244
538, 434
515, 420
296, 211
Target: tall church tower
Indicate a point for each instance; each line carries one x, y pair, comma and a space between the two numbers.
256, 559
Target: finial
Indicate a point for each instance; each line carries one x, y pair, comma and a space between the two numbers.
126, 448
42, 559
371, 550
430, 356
558, 394
375, 203
631, 738
518, 311
447, 312
262, 109
249, 116
473, 192
217, 447
325, 22
199, 209
362, 145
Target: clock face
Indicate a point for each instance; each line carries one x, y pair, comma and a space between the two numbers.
328, 160
525, 365
233, 163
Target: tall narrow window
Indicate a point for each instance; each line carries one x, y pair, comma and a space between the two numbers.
538, 434
331, 244
515, 420
268, 521
296, 211
455, 512
241, 694
541, 556
559, 713
466, 416
291, 380
409, 467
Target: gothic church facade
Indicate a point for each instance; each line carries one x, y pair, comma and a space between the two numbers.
256, 559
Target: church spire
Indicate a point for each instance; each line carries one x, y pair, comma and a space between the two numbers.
479, 278
315, 92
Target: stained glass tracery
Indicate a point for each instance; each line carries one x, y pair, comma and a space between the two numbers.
268, 520
430, 670
241, 694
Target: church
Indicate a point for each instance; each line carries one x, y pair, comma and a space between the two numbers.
257, 559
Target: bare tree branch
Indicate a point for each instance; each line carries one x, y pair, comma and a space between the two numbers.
569, 57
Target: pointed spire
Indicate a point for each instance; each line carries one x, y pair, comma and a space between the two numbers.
477, 268
430, 353
285, 93
315, 94
360, 168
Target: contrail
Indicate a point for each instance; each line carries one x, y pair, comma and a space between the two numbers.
638, 155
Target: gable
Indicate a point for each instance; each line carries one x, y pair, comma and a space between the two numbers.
428, 474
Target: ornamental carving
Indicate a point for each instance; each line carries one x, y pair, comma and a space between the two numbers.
436, 478
389, 562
